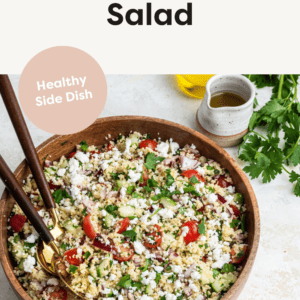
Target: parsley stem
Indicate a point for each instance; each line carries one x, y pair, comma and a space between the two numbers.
154, 213
296, 144
295, 85
286, 170
259, 135
280, 86
295, 91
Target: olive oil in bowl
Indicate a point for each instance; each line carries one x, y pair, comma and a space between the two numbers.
226, 99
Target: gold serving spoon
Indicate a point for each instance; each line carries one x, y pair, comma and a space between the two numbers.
30, 212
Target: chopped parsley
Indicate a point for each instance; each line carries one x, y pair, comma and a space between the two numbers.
60, 194
130, 234
170, 178
234, 223
84, 146
111, 209
87, 254
194, 179
152, 161
201, 227
73, 269
125, 282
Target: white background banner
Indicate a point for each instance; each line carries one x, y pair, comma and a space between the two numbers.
258, 36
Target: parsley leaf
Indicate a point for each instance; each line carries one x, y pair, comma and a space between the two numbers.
130, 234
145, 268
194, 179
157, 278
267, 153
84, 146
111, 210
60, 194
130, 189
73, 269
125, 282
170, 178
152, 161
138, 285
151, 183
87, 254
201, 227
234, 223
215, 273
64, 246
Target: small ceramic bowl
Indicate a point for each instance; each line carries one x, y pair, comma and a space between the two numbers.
55, 147
226, 125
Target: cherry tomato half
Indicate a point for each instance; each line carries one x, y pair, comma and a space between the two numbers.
222, 182
101, 244
53, 186
17, 222
156, 236
193, 233
238, 260
72, 154
126, 252
148, 144
88, 227
59, 295
190, 173
122, 225
236, 211
71, 257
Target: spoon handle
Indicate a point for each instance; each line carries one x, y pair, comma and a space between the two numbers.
16, 116
27, 207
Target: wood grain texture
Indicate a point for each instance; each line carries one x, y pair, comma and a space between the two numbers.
95, 135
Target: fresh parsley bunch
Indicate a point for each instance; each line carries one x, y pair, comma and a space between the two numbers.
268, 154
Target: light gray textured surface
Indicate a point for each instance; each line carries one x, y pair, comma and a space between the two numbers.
276, 272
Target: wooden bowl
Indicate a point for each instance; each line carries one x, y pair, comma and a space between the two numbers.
54, 148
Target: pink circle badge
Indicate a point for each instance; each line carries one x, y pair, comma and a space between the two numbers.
62, 90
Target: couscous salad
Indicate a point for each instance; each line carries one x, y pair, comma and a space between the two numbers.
143, 218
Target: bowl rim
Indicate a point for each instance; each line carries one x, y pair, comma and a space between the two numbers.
236, 288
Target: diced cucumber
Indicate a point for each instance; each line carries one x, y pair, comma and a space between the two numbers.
126, 211
138, 231
167, 202
239, 198
135, 138
222, 282
75, 231
105, 266
21, 267
108, 220
148, 289
122, 183
16, 238
64, 164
